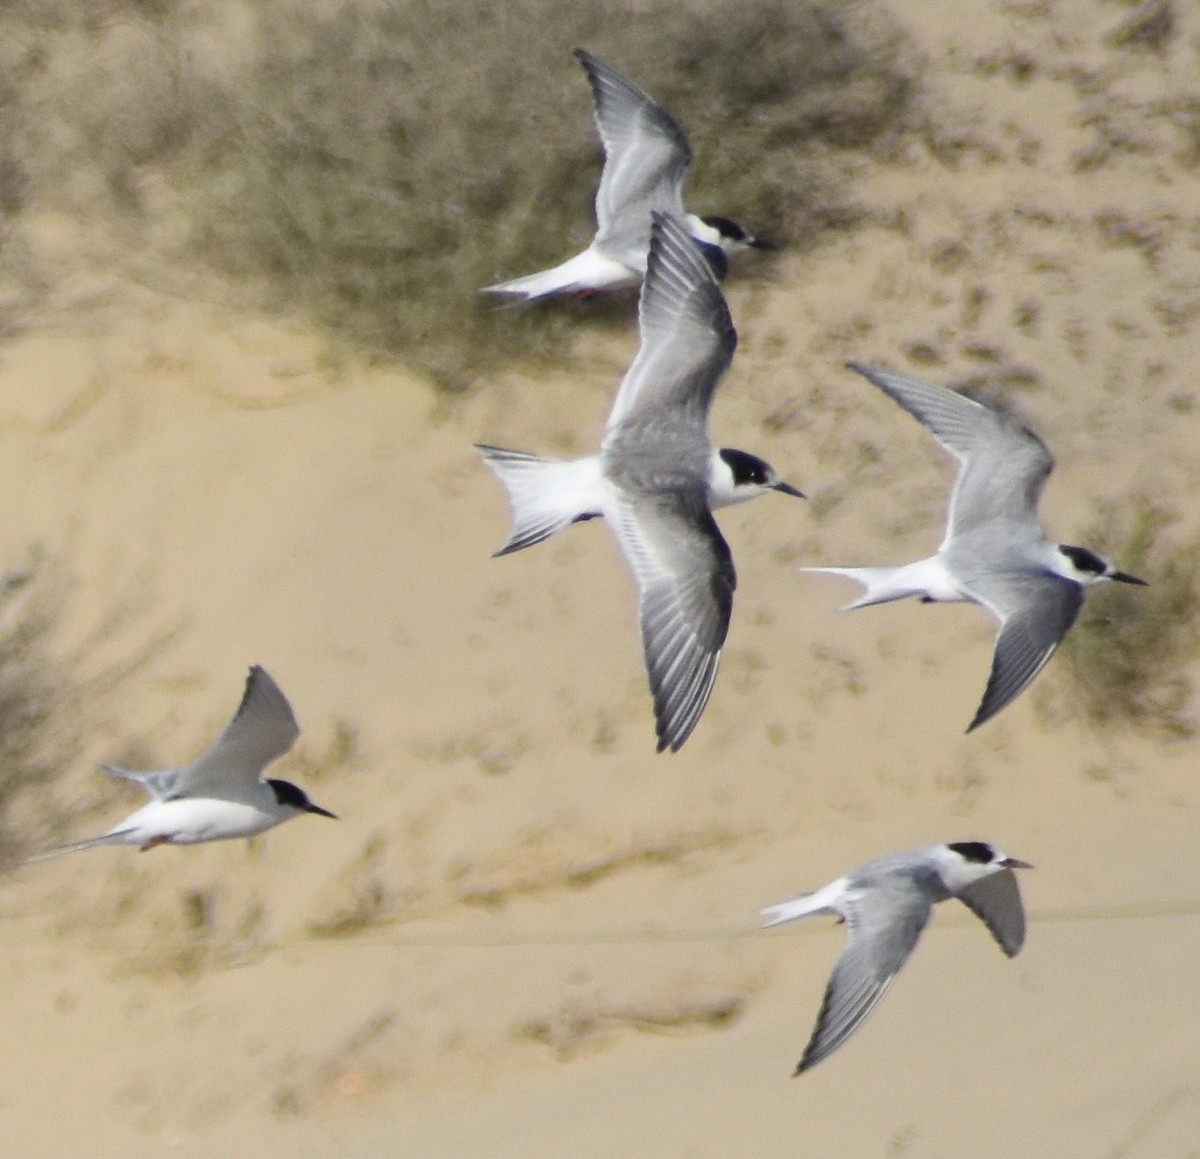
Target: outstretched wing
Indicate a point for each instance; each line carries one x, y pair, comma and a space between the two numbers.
687, 336
686, 579
1003, 465
261, 731
1035, 609
883, 924
996, 901
646, 160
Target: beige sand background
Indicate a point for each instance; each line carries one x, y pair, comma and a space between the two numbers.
527, 935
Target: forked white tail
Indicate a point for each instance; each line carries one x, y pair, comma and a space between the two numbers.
583, 273
545, 494
884, 584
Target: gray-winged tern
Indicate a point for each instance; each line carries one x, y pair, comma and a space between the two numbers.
221, 794
885, 905
656, 479
646, 161
994, 552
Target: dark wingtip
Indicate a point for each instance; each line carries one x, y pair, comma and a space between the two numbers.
983, 714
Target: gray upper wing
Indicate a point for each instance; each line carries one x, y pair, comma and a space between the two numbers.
160, 785
261, 731
996, 901
687, 336
1003, 464
884, 921
646, 161
1035, 610
686, 580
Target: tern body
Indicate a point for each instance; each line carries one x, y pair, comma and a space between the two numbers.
656, 479
647, 158
221, 794
885, 905
994, 552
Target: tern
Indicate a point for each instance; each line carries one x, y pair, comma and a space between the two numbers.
885, 905
647, 158
994, 552
221, 794
656, 480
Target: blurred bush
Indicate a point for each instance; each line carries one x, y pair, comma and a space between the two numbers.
1129, 659
373, 165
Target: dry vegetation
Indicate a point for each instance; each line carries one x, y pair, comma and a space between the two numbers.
1130, 656
39, 728
372, 167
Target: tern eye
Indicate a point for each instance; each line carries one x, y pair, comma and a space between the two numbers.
746, 468
725, 227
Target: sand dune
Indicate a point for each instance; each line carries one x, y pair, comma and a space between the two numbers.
528, 935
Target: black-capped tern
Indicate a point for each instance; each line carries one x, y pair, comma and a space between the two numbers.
221, 794
885, 905
647, 157
656, 479
994, 552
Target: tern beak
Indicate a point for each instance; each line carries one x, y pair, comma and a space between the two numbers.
787, 489
1123, 577
1015, 863
311, 808
759, 243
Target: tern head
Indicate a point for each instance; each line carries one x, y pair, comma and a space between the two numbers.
972, 860
738, 476
1087, 568
731, 237
289, 796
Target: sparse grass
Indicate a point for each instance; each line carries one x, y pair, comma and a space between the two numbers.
39, 730
43, 693
373, 166
380, 166
1130, 655
574, 1029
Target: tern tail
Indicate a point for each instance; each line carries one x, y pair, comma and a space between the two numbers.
583, 273
114, 838
786, 911
881, 584
546, 495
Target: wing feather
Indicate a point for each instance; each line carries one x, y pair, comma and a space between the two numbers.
647, 157
996, 901
1003, 464
686, 580
1035, 609
883, 923
687, 336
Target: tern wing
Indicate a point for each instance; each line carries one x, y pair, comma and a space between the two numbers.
261, 731
160, 785
687, 335
884, 922
646, 161
1003, 465
686, 578
1035, 610
996, 901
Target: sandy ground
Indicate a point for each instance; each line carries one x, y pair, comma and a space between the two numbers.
528, 935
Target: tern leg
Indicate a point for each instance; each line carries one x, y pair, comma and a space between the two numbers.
160, 839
